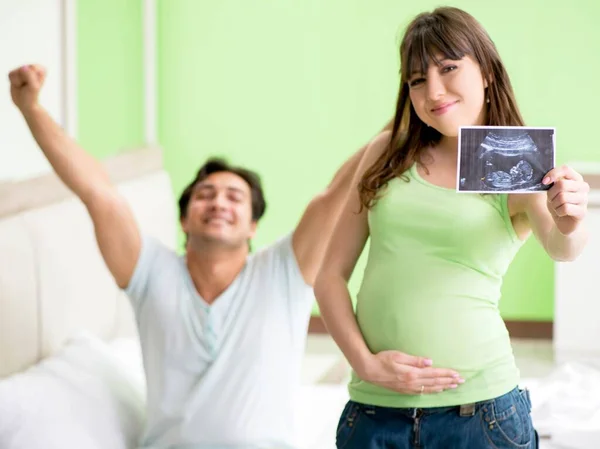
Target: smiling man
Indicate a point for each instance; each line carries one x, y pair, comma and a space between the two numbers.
222, 329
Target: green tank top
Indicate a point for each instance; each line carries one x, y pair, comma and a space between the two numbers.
431, 288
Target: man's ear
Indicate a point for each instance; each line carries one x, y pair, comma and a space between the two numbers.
183, 223
253, 228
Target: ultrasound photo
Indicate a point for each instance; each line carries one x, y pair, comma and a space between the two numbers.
498, 159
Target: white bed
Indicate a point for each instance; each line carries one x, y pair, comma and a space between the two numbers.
70, 366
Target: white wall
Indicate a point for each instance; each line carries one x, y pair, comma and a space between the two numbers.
576, 304
31, 31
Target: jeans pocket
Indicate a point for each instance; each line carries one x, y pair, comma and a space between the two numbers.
526, 398
507, 421
347, 424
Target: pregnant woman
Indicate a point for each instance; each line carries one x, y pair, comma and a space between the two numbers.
430, 291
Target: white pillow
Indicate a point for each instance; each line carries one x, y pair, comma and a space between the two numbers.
83, 397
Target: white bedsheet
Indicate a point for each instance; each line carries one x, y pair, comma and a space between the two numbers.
83, 397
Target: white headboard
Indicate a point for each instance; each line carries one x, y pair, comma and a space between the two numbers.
53, 281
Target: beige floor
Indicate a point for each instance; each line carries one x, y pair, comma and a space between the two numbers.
325, 372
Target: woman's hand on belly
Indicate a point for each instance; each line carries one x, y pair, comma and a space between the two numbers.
407, 374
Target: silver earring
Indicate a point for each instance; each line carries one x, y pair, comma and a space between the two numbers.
487, 100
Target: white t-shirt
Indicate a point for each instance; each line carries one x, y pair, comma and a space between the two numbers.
223, 375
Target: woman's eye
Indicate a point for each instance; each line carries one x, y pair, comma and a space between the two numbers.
449, 68
416, 82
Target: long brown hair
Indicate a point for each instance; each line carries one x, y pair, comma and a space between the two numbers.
455, 34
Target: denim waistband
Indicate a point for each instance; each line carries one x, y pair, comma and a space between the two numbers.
463, 409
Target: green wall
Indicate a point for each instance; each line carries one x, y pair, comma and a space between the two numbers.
292, 88
109, 72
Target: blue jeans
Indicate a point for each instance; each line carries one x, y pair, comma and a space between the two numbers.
501, 423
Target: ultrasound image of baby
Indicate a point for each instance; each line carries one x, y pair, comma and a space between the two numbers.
494, 159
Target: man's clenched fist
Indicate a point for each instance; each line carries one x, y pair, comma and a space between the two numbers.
25, 85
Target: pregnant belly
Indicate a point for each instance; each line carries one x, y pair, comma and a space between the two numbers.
464, 334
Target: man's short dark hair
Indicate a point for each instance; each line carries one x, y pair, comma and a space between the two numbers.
215, 165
